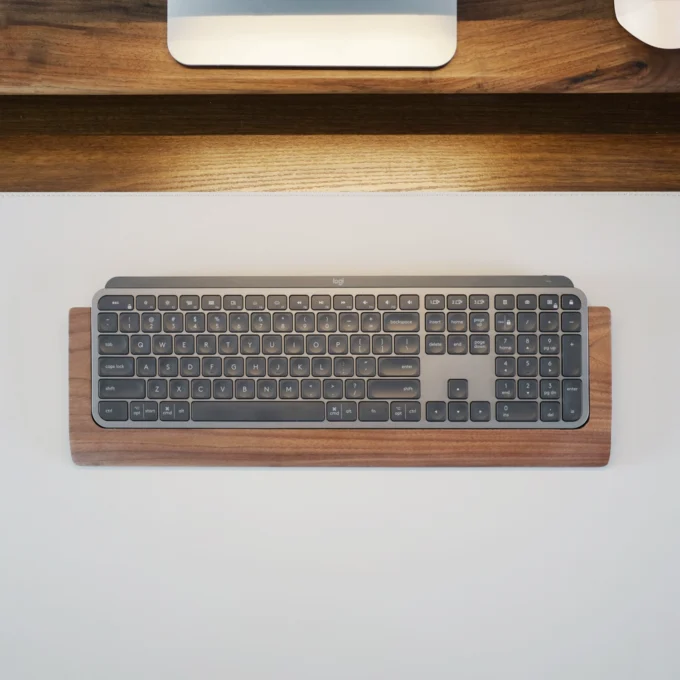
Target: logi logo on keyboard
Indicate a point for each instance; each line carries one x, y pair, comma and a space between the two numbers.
338, 282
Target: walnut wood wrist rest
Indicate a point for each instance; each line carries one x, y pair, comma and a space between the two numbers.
587, 446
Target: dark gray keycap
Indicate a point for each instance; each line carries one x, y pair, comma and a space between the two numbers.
300, 368
211, 367
322, 367
370, 322
374, 411
341, 302
129, 323
146, 367
549, 302
366, 367
355, 389
527, 344
294, 344
258, 411
332, 389
173, 323
382, 344
365, 302
458, 302
435, 344
227, 344
571, 356
168, 367
333, 411
458, 389
289, 389
299, 302
304, 322
435, 322
479, 302
190, 367
140, 344
151, 323
217, 322
200, 389
572, 400
571, 322
457, 322
123, 367
505, 344
113, 411
401, 322
250, 344
549, 344
480, 344
349, 323
157, 389
387, 301
115, 303
167, 413
182, 411
311, 389
360, 344
550, 389
233, 303
321, 302
189, 303
316, 344
266, 389
277, 302
168, 303
349, 411
206, 344
506, 389
480, 411
398, 411
277, 367
527, 322
283, 322
409, 302
505, 367
261, 323
571, 302
517, 412
435, 411
272, 344
527, 302
327, 322
505, 322
146, 303
338, 344
549, 322
107, 323
195, 323
504, 302
550, 367
457, 344
114, 344
343, 367
527, 367
245, 389
185, 344
223, 389
550, 411
479, 322
394, 389
256, 367
413, 411
162, 344
435, 302
458, 411
527, 389
239, 322
255, 302
115, 388
399, 367
407, 344
137, 411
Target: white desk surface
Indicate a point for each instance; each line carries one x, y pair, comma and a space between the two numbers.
259, 574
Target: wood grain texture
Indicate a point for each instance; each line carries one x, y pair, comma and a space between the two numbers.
588, 446
119, 47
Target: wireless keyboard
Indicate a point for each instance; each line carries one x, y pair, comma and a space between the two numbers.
360, 352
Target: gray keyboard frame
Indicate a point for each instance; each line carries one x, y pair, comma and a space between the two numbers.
432, 378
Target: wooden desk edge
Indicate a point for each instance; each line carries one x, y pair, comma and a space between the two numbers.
588, 446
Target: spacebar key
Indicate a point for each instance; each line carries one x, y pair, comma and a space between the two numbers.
258, 412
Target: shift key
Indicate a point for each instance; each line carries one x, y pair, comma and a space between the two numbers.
122, 389
394, 389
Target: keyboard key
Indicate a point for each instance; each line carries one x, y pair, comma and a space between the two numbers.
527, 344
189, 367
527, 302
150, 411
549, 302
255, 303
374, 411
387, 301
480, 411
435, 302
107, 323
360, 344
504, 302
343, 367
435, 411
239, 323
550, 367
409, 302
200, 389
113, 411
550, 411
349, 411
435, 322
277, 367
457, 322
299, 302
407, 344
316, 344
321, 302
283, 322
457, 344
272, 344
480, 344
266, 389
233, 303
122, 389
527, 367
289, 389
370, 322
338, 344
517, 412
479, 302
342, 302
550, 389
140, 344
129, 323
162, 344
527, 389
394, 389
256, 367
435, 344
227, 344
505, 389
401, 322
328, 322
114, 344
571, 322
146, 367
572, 400
366, 367
398, 411
262, 323
571, 356
173, 323
250, 344
211, 367
277, 302
179, 389
189, 303
223, 389
304, 322
168, 303
505, 367
382, 344
571, 302
505, 344
549, 344
168, 367
267, 411
311, 389
458, 411
549, 322
365, 302
527, 322
244, 389
456, 302
333, 411
479, 323
115, 303
322, 367
299, 368
117, 368
332, 389
413, 411
151, 323
185, 344
505, 322
458, 389
349, 323
211, 302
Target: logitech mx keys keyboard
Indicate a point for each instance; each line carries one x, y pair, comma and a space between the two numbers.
356, 352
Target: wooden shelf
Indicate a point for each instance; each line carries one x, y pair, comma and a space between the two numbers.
587, 446
119, 47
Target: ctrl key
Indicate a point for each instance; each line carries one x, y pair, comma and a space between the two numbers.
113, 411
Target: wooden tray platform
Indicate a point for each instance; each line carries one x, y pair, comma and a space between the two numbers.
588, 446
